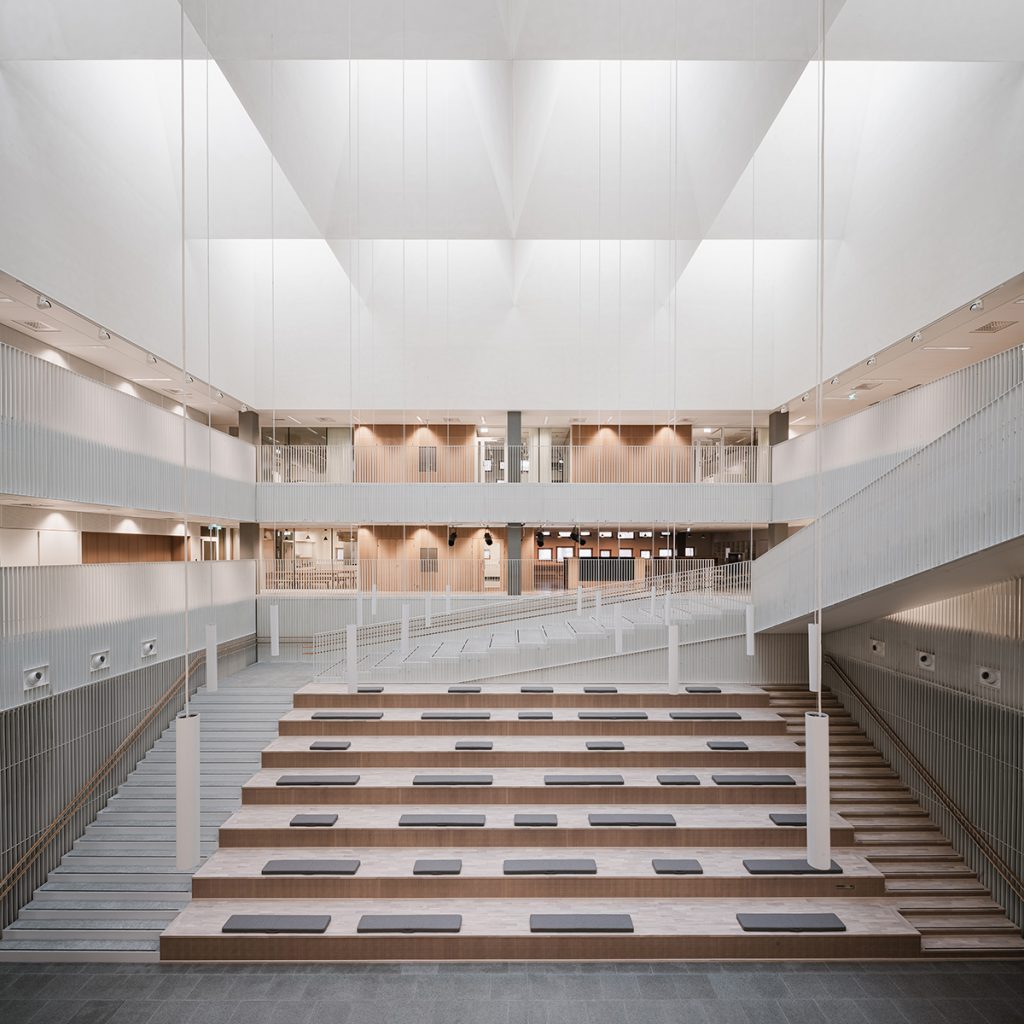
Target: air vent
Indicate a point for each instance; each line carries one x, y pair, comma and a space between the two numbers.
324, 419
37, 325
870, 385
452, 419
994, 325
578, 419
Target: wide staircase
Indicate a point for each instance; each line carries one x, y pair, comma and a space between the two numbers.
572, 821
117, 889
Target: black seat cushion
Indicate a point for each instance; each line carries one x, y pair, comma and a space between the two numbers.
727, 745
605, 745
535, 820
584, 780
788, 866
551, 866
581, 923
442, 821
790, 923
676, 866
409, 923
317, 780
330, 745
429, 716
678, 780
312, 820
754, 780
790, 820
609, 716
452, 780
310, 867
276, 924
632, 820
437, 867
320, 716
704, 716
474, 745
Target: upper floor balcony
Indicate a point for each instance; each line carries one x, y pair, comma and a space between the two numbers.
523, 463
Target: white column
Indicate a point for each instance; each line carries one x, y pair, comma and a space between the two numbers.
404, 645
359, 609
275, 631
814, 657
617, 613
186, 792
819, 848
579, 600
673, 659
351, 653
373, 601
750, 630
211, 658
654, 601
447, 599
597, 602
428, 615
668, 609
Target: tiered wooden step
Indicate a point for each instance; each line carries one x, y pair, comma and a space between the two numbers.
630, 839
925, 878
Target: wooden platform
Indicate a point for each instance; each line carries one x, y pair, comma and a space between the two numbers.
902, 891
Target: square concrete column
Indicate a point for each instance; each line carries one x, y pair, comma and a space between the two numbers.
778, 431
249, 427
514, 543
513, 441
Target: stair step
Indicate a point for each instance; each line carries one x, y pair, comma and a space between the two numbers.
962, 924
973, 945
928, 869
934, 886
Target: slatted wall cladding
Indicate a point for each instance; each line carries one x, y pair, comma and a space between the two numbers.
60, 615
957, 496
51, 748
68, 437
972, 747
859, 449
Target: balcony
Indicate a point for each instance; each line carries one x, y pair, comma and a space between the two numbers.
498, 464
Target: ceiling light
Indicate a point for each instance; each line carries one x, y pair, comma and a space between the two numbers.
484, 430
835, 380
545, 421
539, 538
220, 394
609, 419
872, 361
784, 408
150, 359
189, 379
916, 338
451, 538
1019, 302
709, 430
799, 419
150, 380
7, 298
295, 421
804, 398
42, 302
419, 419
244, 408
947, 348
574, 535
488, 539
852, 396
482, 420
103, 334
976, 305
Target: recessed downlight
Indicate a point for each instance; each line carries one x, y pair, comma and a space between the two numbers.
872, 361
977, 305
916, 338
835, 380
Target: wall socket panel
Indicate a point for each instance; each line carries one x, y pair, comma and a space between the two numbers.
989, 676
877, 647
34, 677
926, 660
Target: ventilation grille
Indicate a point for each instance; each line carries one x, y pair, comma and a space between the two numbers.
992, 326
451, 419
36, 325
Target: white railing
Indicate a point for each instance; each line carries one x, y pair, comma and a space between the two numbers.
731, 581
70, 438
530, 463
465, 575
959, 495
59, 616
859, 449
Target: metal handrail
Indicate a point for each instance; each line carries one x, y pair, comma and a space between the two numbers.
1009, 876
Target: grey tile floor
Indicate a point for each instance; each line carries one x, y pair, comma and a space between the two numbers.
991, 992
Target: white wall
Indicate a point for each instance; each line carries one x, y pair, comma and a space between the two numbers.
506, 168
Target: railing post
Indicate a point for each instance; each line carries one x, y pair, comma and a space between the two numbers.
668, 607
673, 659
617, 619
211, 658
275, 631
597, 603
654, 600
351, 653
749, 611
814, 657
404, 643
579, 599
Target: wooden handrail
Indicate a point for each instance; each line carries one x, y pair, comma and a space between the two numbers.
1009, 876
29, 857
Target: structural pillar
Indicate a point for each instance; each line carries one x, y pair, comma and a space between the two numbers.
778, 431
249, 533
513, 446
514, 543
186, 791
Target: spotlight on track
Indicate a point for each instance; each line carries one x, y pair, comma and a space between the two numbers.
488, 539
451, 538
574, 535
42, 302
539, 538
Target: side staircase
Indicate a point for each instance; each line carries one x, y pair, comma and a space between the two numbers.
117, 889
